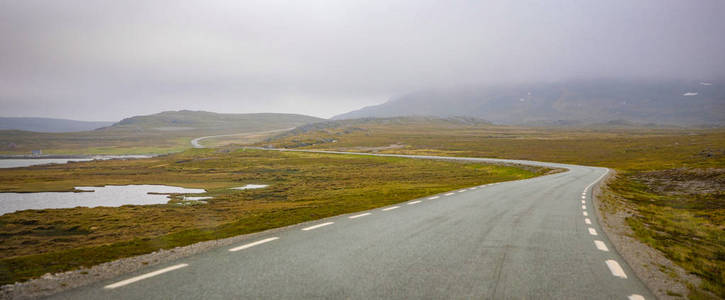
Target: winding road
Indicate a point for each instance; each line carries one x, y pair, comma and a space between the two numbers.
537, 238
196, 143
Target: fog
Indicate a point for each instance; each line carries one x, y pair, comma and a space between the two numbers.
105, 60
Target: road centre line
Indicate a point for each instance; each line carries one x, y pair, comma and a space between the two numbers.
318, 226
144, 276
434, 197
616, 269
390, 208
414, 202
592, 231
600, 245
242, 247
358, 216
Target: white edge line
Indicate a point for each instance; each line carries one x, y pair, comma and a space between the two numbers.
414, 202
616, 269
450, 194
318, 226
242, 247
434, 197
144, 276
357, 216
586, 220
635, 297
585, 213
592, 231
584, 207
601, 246
390, 208
595, 181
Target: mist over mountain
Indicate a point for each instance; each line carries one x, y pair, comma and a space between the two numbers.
49, 124
565, 103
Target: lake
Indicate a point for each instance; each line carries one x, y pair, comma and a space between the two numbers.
25, 162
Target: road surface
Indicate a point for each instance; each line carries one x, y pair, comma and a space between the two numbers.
196, 143
536, 238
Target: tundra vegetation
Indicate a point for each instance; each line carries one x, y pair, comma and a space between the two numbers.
302, 187
671, 179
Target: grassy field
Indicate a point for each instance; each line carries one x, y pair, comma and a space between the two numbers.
303, 187
672, 177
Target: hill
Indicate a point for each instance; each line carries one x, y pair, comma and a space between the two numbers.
573, 102
49, 124
158, 133
184, 120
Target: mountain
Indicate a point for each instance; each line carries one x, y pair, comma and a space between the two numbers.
186, 120
49, 125
574, 102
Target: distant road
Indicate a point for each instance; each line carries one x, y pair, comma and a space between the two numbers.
537, 239
196, 143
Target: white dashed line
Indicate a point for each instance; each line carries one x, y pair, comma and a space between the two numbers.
390, 208
434, 197
414, 202
144, 276
584, 207
635, 297
253, 244
586, 220
600, 245
449, 194
592, 231
585, 213
357, 216
473, 188
461, 191
583, 202
318, 226
616, 269
584, 197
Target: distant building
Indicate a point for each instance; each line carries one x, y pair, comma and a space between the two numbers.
37, 152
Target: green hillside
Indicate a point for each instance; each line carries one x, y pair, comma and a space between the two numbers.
184, 120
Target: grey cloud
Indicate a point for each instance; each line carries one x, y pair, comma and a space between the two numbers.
105, 60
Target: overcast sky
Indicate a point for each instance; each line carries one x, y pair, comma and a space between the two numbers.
106, 60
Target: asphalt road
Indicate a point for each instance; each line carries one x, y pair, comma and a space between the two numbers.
537, 238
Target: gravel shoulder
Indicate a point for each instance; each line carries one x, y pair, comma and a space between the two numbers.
664, 279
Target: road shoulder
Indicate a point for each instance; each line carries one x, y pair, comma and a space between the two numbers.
665, 279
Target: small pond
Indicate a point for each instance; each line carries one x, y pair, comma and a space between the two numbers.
251, 187
110, 195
